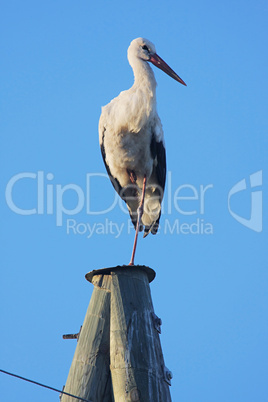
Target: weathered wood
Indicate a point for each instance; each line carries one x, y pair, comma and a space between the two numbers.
89, 376
118, 356
136, 359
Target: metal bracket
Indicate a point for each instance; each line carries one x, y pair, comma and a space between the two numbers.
72, 336
167, 375
157, 322
60, 395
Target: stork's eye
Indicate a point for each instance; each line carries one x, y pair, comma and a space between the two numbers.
144, 47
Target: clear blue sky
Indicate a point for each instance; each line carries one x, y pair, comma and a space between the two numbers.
60, 62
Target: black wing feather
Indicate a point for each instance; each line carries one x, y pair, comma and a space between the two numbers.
158, 153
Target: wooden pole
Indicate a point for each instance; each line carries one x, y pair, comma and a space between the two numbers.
89, 376
118, 356
137, 364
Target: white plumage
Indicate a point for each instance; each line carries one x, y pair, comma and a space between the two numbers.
132, 141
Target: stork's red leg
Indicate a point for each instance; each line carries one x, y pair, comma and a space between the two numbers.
140, 212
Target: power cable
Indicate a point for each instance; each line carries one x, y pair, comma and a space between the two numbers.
43, 385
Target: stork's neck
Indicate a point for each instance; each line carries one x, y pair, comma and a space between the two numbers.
143, 75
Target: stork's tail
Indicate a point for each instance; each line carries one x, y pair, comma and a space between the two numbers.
151, 212
153, 228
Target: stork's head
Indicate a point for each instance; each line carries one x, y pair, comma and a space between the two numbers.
145, 50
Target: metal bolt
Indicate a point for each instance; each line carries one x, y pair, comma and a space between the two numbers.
135, 394
157, 322
167, 375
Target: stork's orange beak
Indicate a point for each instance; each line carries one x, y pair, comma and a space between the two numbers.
160, 63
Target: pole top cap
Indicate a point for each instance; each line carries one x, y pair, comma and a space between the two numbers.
107, 271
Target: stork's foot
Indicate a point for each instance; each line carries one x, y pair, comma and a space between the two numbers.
132, 176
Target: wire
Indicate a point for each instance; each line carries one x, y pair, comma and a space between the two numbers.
43, 385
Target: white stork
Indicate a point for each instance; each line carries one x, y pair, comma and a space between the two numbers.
132, 141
